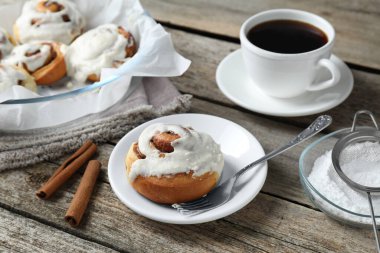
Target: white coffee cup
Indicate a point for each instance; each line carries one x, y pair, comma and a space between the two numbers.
288, 75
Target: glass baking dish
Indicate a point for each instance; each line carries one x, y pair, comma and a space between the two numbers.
156, 56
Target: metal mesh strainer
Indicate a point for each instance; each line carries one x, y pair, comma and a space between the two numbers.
353, 137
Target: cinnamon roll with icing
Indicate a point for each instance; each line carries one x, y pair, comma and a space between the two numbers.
6, 43
107, 46
43, 60
11, 76
173, 164
55, 20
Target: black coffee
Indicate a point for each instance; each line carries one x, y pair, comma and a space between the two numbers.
287, 36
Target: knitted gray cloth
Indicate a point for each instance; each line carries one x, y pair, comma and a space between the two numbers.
150, 98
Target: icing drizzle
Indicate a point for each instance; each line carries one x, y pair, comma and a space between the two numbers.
193, 151
62, 26
98, 48
30, 56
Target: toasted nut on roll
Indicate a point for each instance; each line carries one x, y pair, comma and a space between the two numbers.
11, 76
107, 46
43, 60
57, 20
173, 164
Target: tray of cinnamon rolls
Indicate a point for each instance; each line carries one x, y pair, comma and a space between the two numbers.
65, 50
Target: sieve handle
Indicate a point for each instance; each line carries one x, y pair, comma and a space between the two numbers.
373, 221
353, 128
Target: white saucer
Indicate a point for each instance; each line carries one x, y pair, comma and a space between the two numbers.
234, 82
238, 146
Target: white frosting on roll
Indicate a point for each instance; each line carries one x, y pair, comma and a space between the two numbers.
96, 49
35, 25
19, 56
10, 76
5, 45
193, 151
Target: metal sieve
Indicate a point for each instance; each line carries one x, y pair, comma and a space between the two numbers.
357, 136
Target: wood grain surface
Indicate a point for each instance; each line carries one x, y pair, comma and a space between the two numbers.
21, 234
357, 39
266, 224
274, 221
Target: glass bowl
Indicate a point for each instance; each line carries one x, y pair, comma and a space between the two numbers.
321, 201
74, 92
68, 101
48, 111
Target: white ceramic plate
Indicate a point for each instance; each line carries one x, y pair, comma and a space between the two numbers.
234, 82
238, 146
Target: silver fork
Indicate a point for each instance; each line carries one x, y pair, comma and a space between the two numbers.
222, 193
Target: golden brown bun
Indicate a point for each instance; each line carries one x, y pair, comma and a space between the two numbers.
130, 51
12, 40
29, 81
42, 11
48, 6
93, 78
178, 188
54, 70
16, 33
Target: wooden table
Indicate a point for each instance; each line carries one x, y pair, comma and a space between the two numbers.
280, 219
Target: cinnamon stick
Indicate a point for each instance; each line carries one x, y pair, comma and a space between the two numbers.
67, 169
82, 196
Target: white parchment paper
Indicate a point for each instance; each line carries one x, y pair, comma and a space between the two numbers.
156, 56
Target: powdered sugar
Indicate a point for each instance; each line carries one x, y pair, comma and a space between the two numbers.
361, 163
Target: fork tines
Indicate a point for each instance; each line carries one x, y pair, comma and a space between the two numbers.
194, 207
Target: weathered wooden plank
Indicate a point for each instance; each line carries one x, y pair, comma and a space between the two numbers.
355, 22
109, 221
207, 53
268, 224
283, 179
17, 188
310, 229
20, 234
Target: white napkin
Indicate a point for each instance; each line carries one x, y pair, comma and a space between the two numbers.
151, 97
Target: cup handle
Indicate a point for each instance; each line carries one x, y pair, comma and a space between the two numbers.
335, 73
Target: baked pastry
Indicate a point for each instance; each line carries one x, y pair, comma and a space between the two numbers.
57, 20
107, 46
43, 60
173, 164
11, 75
6, 43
